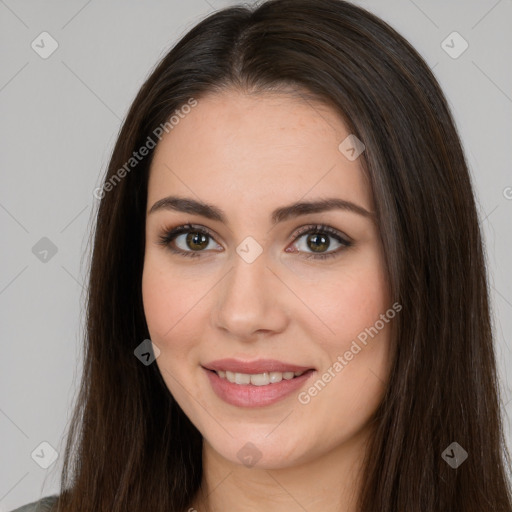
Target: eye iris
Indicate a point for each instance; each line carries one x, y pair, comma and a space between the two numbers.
320, 242
200, 240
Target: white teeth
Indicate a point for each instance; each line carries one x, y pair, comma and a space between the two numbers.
242, 378
260, 379
275, 377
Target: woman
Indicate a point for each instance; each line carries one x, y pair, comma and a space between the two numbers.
288, 305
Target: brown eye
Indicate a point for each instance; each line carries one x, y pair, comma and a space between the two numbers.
197, 240
314, 241
187, 240
318, 242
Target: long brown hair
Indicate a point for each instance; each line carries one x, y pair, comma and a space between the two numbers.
130, 447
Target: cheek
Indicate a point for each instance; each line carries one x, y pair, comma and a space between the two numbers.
168, 312
166, 307
345, 302
158, 302
351, 383
354, 307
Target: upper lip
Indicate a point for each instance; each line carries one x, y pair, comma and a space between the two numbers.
254, 367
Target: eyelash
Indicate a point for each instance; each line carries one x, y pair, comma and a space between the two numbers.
170, 234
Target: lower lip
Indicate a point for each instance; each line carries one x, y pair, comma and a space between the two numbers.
249, 395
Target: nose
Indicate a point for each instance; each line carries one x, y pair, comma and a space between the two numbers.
251, 300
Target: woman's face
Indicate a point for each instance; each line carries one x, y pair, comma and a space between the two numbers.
261, 284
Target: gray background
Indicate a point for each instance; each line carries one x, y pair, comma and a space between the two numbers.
60, 117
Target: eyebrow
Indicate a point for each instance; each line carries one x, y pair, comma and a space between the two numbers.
187, 205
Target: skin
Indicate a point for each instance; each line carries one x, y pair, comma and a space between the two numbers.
248, 154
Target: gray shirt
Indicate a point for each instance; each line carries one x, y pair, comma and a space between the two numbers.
43, 505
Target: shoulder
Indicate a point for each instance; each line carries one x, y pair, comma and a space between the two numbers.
43, 505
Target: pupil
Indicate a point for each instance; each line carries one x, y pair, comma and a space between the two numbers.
197, 239
319, 242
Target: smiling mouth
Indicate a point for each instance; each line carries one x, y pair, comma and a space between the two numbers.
257, 379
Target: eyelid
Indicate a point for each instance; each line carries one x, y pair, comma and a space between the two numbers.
322, 228
170, 234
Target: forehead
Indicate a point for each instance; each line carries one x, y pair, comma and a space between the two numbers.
265, 149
